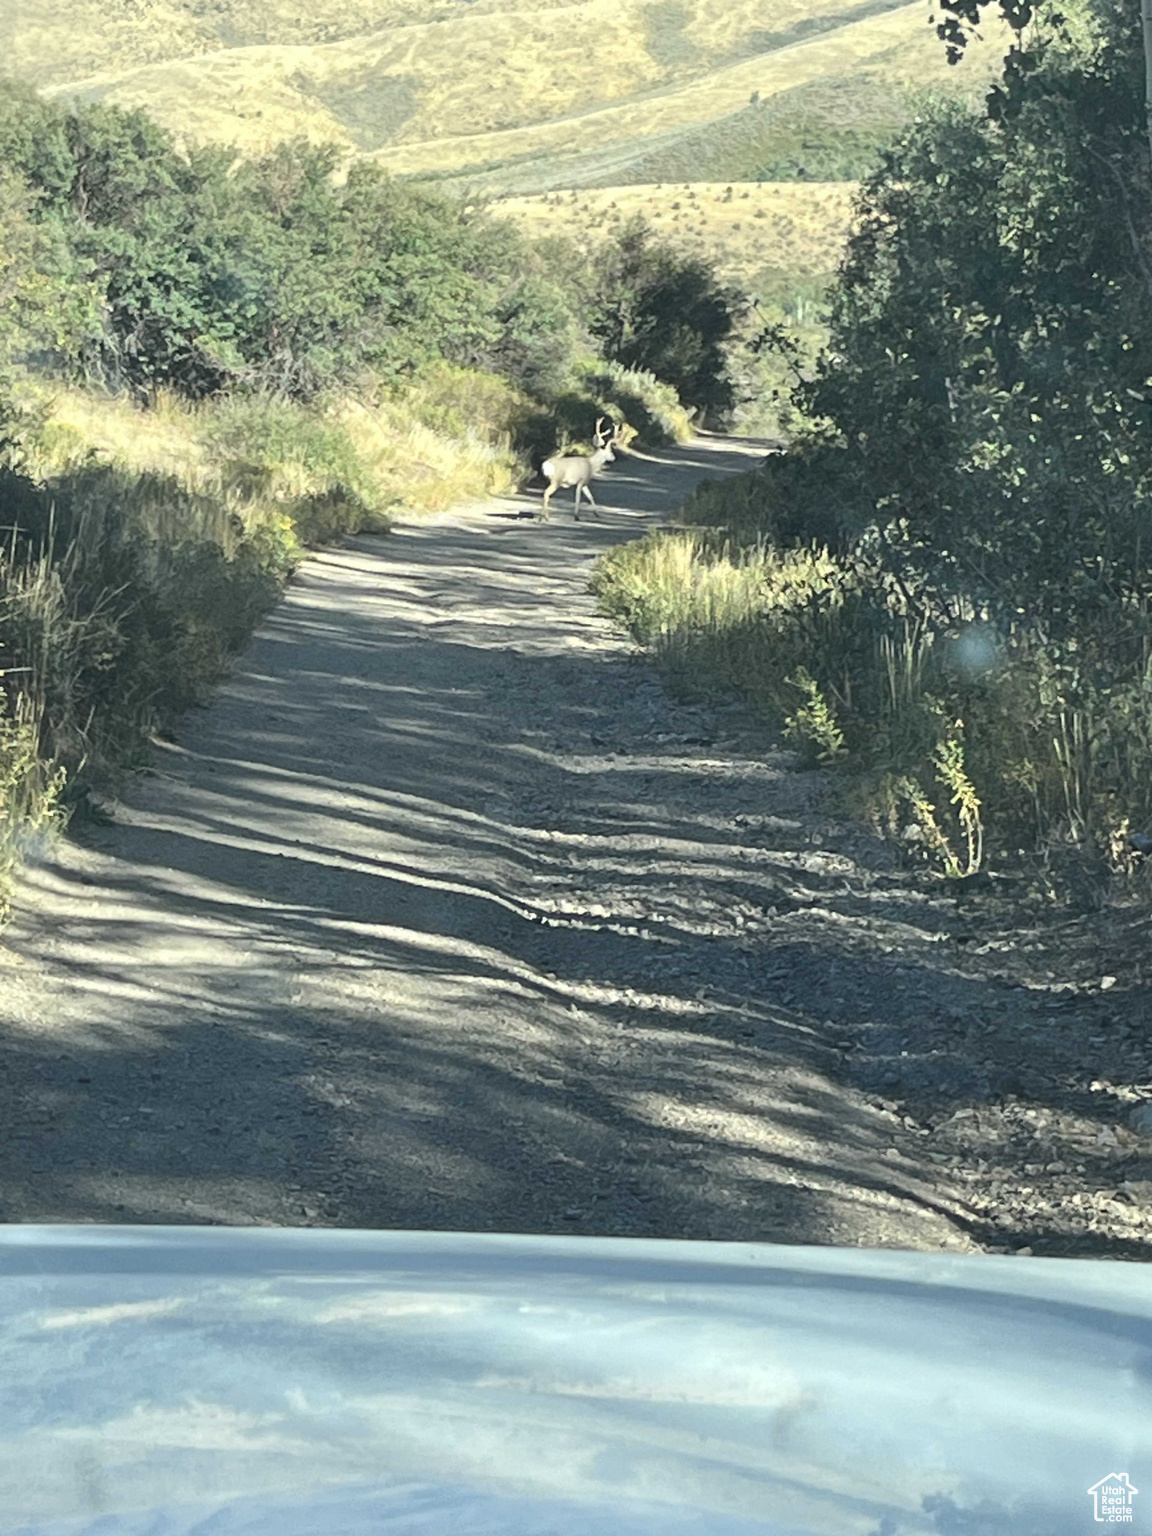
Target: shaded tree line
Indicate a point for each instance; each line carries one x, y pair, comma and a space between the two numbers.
983, 411
200, 271
979, 440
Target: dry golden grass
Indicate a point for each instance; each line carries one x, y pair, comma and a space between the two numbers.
799, 227
52, 42
400, 461
80, 422
484, 71
420, 468
484, 87
900, 40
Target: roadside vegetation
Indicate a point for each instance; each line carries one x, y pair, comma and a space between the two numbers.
942, 589
778, 244
211, 364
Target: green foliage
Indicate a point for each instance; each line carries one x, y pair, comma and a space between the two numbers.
539, 292
926, 829
266, 444
665, 313
140, 219
305, 353
34, 141
989, 377
818, 133
200, 272
952, 775
595, 389
373, 108
992, 342
813, 722
463, 402
45, 309
427, 272
771, 354
639, 398
539, 331
832, 128
826, 648
666, 40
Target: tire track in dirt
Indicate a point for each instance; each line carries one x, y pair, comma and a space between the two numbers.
445, 915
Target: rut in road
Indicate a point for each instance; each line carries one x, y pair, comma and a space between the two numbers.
445, 915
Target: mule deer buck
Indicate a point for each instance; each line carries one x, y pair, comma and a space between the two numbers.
580, 469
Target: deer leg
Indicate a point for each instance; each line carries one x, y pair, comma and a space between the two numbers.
595, 508
547, 499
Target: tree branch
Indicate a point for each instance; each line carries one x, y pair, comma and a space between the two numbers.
1133, 235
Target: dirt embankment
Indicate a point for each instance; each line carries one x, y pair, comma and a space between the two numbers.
446, 915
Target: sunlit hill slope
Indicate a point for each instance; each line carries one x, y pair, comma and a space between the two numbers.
516, 96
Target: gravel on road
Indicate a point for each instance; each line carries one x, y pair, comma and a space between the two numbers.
446, 914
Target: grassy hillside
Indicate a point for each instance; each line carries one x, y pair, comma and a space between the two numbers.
515, 95
746, 228
52, 42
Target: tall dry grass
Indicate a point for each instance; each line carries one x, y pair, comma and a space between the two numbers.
947, 736
143, 546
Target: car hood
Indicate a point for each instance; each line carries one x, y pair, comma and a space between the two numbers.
164, 1380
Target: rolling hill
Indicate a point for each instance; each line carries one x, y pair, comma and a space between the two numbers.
751, 230
509, 96
737, 128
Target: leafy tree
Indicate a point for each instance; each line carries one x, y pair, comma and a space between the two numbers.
44, 310
992, 340
539, 298
284, 279
666, 313
135, 216
323, 281
34, 141
425, 279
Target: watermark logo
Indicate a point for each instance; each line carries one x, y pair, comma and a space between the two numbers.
1112, 1497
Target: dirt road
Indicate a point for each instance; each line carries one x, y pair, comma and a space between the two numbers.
444, 915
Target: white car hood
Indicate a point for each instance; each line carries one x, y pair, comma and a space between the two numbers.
160, 1381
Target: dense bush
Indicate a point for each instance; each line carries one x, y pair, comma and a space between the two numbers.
977, 468
200, 270
992, 335
667, 314
639, 398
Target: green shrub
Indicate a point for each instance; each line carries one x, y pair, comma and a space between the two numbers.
945, 723
462, 402
640, 398
267, 445
662, 312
